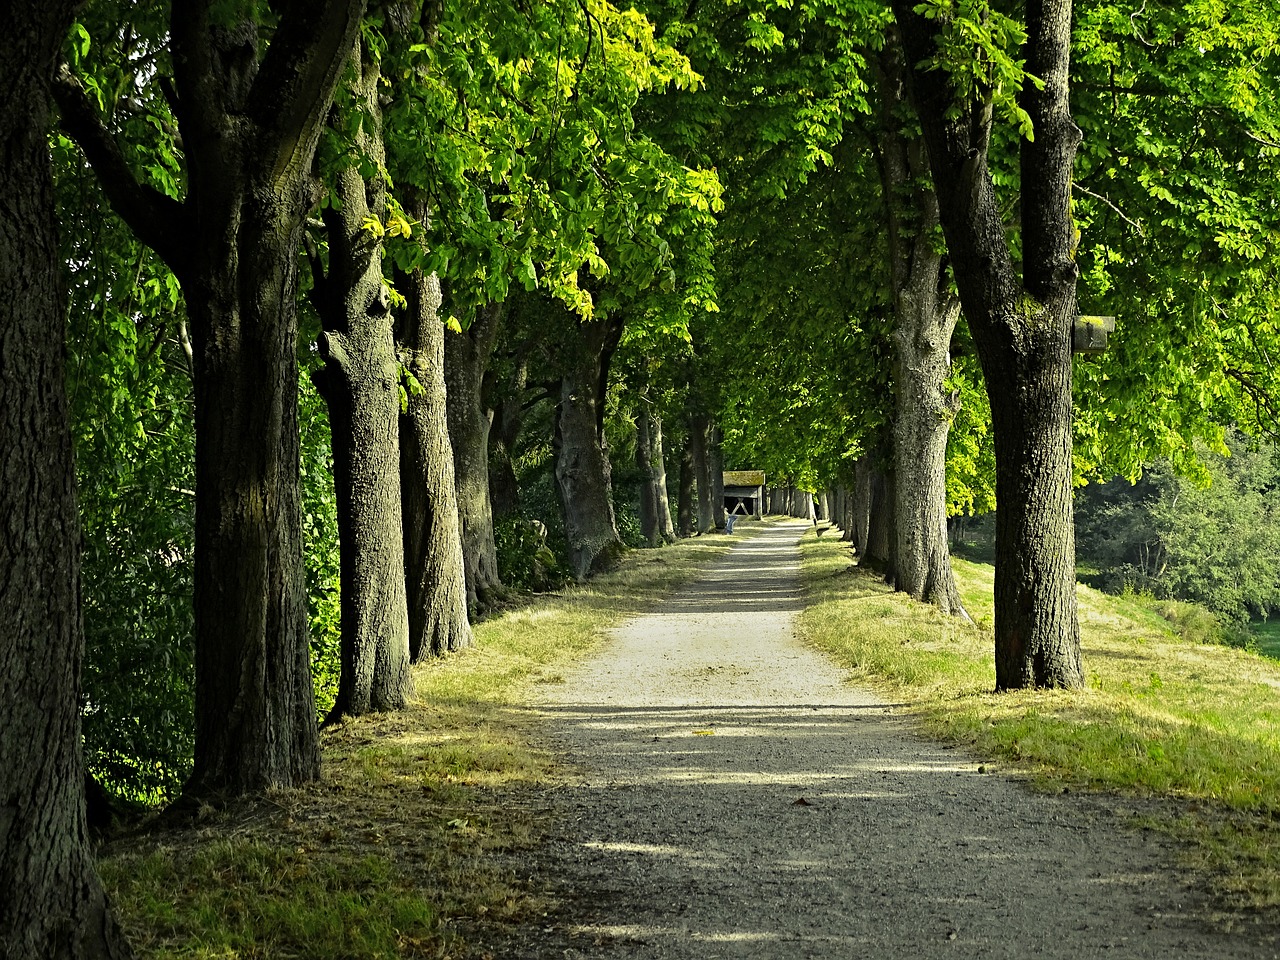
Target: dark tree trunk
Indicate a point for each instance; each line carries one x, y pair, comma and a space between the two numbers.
360, 381
716, 463
864, 471
925, 313
878, 553
435, 567
51, 901
508, 421
699, 447
250, 126
1022, 332
466, 360
688, 484
583, 472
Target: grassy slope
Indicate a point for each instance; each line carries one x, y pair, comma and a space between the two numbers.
395, 847
1159, 716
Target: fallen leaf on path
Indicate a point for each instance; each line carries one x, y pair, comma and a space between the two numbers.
802, 802
704, 733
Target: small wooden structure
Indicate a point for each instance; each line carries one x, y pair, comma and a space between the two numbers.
744, 492
1089, 334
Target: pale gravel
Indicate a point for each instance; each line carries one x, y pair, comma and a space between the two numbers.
695, 733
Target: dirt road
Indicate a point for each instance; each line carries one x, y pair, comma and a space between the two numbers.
735, 797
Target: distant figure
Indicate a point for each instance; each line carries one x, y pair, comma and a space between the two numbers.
732, 516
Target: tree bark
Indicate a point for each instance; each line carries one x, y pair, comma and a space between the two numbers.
715, 457
250, 126
466, 359
688, 483
655, 505
925, 313
1022, 332
360, 383
52, 904
699, 447
583, 472
435, 564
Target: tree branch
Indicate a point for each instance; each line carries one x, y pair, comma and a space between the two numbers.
150, 214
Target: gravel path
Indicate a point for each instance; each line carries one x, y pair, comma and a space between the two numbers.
735, 797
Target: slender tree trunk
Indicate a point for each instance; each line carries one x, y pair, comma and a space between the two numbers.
466, 359
508, 421
699, 446
1021, 329
649, 524
583, 472
655, 473
51, 901
435, 567
716, 458
360, 381
688, 483
925, 314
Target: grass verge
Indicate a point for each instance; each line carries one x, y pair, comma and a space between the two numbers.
1195, 724
399, 846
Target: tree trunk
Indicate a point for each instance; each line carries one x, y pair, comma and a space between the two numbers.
508, 421
360, 383
51, 901
1022, 332
435, 566
716, 463
583, 472
650, 527
250, 126
688, 483
699, 447
925, 314
466, 359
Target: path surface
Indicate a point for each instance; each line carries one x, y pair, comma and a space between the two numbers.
697, 732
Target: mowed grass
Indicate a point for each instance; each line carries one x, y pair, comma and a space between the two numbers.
398, 850
1160, 716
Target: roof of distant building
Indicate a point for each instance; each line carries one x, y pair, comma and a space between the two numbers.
744, 478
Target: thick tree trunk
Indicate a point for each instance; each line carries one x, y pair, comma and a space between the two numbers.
699, 447
688, 484
51, 901
435, 566
925, 314
1022, 331
862, 498
466, 359
250, 126
360, 383
583, 472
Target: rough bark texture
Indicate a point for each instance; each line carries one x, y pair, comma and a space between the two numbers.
51, 901
435, 565
700, 448
466, 359
861, 501
360, 383
583, 472
1022, 332
925, 314
250, 125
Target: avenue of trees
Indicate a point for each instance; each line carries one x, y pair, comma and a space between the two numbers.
327, 325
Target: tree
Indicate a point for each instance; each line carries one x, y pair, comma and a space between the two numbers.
1021, 325
360, 381
53, 904
250, 121
925, 314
